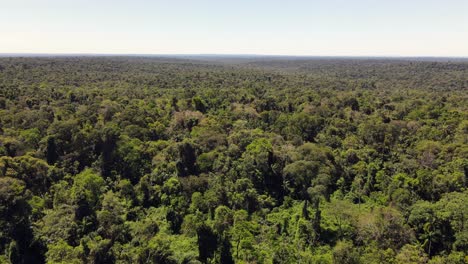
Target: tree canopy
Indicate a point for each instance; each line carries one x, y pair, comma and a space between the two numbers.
160, 160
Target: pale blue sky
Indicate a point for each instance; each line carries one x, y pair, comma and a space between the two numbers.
293, 27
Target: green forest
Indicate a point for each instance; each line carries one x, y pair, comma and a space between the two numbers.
233, 160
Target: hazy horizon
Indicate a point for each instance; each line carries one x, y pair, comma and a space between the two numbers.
214, 55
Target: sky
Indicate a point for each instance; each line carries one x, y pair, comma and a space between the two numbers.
264, 27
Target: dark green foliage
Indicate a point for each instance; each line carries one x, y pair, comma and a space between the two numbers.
207, 243
51, 151
186, 163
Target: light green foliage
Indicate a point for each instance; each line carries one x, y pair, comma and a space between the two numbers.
88, 185
62, 253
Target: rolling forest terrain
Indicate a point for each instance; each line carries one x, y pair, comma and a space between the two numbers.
233, 160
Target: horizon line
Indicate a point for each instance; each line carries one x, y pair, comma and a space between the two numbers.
32, 54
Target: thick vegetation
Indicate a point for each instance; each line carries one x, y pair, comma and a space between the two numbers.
158, 160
